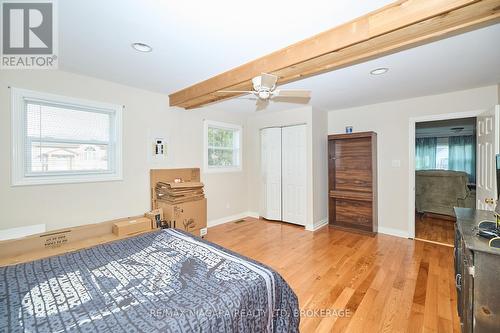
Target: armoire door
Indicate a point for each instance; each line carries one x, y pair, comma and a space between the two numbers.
294, 174
271, 173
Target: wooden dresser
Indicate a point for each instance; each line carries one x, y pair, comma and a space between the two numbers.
477, 272
352, 177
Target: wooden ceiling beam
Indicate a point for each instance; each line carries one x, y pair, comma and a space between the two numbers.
395, 27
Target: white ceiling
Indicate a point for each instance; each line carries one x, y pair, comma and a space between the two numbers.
193, 40
445, 128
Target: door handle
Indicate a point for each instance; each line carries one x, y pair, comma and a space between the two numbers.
458, 282
489, 201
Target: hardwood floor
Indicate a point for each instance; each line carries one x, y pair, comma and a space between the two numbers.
435, 229
387, 284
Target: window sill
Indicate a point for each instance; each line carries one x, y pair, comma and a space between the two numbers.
222, 170
63, 179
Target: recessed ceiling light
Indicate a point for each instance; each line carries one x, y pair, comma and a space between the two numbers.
141, 47
379, 71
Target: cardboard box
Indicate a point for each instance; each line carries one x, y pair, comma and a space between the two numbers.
47, 243
188, 216
156, 215
131, 226
171, 175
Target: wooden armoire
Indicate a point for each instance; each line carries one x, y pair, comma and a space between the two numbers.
352, 178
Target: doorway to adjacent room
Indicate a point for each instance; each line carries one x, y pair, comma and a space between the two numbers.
466, 154
445, 175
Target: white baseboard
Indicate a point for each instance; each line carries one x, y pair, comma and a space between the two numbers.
317, 225
393, 232
226, 219
21, 231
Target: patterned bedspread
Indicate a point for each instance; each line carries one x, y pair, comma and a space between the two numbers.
165, 281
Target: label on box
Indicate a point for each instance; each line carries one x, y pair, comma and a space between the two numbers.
56, 240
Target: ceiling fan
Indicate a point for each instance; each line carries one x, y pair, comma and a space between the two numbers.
265, 90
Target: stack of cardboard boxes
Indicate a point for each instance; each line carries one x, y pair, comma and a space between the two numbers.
179, 194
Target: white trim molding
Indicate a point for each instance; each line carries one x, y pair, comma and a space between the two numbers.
231, 218
317, 225
238, 141
393, 232
21, 174
19, 232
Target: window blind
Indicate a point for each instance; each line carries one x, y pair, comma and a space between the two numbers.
62, 139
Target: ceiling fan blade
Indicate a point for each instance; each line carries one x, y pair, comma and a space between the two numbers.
261, 104
292, 93
293, 100
247, 98
268, 80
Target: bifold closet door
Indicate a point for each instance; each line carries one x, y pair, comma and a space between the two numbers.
271, 173
294, 174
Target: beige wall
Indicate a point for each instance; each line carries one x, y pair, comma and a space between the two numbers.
391, 122
320, 166
146, 115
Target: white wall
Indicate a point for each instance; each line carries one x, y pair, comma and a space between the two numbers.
391, 122
146, 115
320, 167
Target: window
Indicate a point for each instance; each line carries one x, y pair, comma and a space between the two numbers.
442, 149
456, 153
222, 147
61, 140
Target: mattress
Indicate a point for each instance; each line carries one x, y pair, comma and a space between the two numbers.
164, 281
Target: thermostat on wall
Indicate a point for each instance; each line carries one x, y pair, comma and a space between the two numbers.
160, 148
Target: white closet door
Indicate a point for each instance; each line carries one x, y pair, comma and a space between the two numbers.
294, 174
271, 173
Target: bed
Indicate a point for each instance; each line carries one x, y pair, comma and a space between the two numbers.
162, 281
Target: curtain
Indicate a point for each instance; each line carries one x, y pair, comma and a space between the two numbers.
462, 155
425, 151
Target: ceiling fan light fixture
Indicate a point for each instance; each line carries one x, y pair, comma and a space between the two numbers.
142, 47
379, 71
264, 89
264, 94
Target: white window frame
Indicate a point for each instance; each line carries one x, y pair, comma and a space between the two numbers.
217, 124
19, 173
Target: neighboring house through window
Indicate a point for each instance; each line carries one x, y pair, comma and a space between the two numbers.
63, 140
